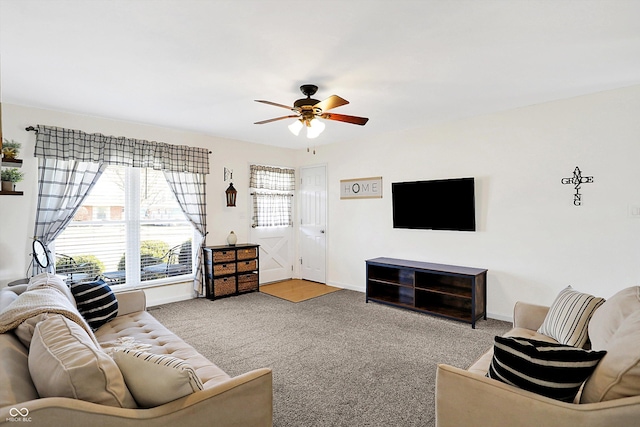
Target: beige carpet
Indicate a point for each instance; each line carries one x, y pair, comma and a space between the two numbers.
296, 290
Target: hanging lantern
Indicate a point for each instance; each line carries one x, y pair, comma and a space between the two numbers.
231, 195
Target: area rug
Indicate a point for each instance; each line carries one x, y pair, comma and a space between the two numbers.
296, 290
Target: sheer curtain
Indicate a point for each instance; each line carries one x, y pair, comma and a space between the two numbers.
272, 195
71, 161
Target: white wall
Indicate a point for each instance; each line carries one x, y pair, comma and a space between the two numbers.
530, 236
17, 213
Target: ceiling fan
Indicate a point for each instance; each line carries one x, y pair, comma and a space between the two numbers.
308, 111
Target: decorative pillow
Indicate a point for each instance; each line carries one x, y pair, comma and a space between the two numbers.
65, 362
553, 370
608, 318
96, 302
618, 374
156, 379
568, 318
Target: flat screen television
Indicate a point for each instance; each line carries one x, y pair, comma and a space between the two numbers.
444, 204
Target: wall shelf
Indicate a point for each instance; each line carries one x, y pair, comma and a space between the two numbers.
11, 163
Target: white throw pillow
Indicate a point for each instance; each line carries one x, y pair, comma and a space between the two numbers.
65, 362
155, 379
568, 318
616, 329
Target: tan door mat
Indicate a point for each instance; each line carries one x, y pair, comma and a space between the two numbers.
296, 290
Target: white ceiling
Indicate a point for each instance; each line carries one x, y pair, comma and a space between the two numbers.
199, 64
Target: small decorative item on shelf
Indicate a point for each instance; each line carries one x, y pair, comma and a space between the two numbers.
231, 194
232, 239
10, 148
9, 178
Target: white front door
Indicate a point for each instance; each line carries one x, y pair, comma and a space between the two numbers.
313, 223
276, 252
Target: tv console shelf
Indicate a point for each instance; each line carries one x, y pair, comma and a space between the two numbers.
444, 290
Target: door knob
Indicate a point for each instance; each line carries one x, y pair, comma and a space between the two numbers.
322, 231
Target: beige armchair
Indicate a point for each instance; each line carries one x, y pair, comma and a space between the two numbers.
469, 398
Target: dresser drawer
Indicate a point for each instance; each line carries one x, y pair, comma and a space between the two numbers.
224, 286
224, 256
248, 265
247, 253
222, 269
247, 282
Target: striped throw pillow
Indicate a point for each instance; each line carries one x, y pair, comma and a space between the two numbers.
155, 379
568, 318
552, 370
96, 302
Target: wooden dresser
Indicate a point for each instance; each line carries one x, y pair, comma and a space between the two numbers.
231, 270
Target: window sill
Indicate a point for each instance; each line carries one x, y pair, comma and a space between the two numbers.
153, 283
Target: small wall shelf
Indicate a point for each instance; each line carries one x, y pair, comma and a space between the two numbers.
11, 163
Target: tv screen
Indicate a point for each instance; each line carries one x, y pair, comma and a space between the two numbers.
445, 204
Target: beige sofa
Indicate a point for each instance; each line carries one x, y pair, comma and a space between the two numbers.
610, 396
245, 400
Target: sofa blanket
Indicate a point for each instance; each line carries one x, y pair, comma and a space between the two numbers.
41, 298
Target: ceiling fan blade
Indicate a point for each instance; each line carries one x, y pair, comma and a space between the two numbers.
344, 118
276, 119
331, 102
274, 104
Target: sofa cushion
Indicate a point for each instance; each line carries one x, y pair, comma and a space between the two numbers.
96, 302
608, 318
618, 374
16, 381
568, 318
65, 362
155, 379
145, 329
553, 370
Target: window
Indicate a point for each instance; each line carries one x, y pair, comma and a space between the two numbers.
272, 190
129, 229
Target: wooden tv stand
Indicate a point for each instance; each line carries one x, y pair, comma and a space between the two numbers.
443, 290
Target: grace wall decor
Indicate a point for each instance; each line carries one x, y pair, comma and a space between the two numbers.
361, 188
577, 180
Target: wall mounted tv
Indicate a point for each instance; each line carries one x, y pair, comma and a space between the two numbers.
444, 204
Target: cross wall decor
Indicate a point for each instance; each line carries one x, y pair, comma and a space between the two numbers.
577, 180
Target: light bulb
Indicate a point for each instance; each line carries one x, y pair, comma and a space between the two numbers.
295, 127
315, 128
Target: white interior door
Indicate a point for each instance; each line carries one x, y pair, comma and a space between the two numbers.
313, 223
276, 252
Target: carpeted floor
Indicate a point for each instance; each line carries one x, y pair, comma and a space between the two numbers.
336, 360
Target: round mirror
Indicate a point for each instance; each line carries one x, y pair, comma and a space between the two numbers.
40, 254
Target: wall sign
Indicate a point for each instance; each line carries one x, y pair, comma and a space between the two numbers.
361, 188
577, 180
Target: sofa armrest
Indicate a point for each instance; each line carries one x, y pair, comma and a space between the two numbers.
245, 400
131, 301
467, 399
529, 316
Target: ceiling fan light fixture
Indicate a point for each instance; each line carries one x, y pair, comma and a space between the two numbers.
315, 128
296, 127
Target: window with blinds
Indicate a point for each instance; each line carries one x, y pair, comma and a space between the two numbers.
130, 229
